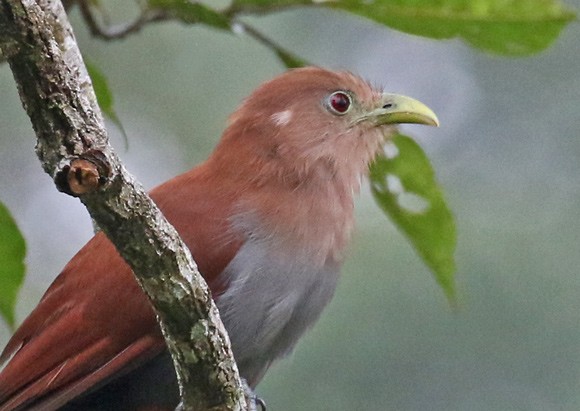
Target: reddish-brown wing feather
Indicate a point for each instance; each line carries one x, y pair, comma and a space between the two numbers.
94, 322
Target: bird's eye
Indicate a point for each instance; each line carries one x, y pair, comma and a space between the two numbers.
339, 102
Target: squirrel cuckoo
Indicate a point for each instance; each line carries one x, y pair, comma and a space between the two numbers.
267, 218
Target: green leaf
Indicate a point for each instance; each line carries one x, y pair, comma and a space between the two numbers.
12, 252
507, 27
403, 184
191, 12
104, 96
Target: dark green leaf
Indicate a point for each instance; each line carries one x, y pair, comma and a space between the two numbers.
104, 95
191, 12
12, 252
403, 184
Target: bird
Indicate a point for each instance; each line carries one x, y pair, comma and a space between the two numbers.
267, 217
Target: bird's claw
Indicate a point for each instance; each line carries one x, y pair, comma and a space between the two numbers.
260, 402
255, 402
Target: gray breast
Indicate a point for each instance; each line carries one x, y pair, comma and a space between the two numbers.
273, 297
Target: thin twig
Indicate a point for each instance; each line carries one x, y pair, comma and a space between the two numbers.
121, 30
289, 58
148, 15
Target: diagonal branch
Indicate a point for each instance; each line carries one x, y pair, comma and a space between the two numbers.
72, 145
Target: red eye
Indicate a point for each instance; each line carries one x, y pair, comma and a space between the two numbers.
339, 102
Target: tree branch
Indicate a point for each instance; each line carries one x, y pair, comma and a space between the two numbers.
153, 15
56, 91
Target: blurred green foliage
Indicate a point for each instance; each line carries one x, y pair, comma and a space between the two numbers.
104, 96
12, 252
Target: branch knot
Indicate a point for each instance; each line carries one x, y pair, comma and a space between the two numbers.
84, 174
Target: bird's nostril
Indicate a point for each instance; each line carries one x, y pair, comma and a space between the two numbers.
388, 105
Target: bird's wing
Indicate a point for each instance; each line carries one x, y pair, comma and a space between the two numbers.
50, 393
94, 323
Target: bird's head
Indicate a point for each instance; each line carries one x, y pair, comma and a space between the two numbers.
312, 123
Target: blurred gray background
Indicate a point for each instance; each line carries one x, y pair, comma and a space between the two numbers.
507, 154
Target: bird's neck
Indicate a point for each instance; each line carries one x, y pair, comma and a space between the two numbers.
308, 212
316, 216
300, 195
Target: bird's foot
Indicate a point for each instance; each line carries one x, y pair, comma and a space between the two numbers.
260, 402
255, 403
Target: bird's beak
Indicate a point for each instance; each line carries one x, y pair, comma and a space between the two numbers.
396, 109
